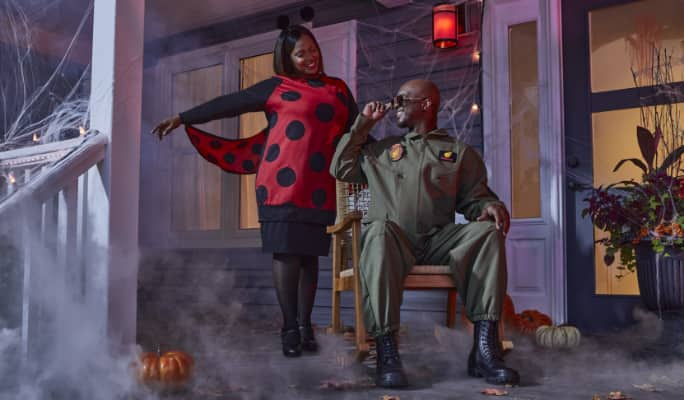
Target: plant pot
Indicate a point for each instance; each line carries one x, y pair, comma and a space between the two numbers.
661, 286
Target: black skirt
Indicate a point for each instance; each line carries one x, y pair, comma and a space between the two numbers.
295, 238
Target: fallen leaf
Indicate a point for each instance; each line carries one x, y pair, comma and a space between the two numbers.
596, 397
494, 392
386, 397
346, 384
647, 387
616, 396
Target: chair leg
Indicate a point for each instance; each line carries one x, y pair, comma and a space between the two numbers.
361, 335
451, 309
336, 322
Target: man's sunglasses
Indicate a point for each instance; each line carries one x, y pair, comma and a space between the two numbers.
401, 101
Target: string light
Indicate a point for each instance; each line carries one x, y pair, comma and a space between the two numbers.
475, 108
82, 130
36, 139
12, 180
476, 56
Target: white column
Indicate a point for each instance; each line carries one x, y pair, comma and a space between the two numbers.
116, 95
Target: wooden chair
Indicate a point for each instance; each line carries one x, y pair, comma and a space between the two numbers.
352, 202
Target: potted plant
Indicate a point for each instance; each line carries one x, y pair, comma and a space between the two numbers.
644, 219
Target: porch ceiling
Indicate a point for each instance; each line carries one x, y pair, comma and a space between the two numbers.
164, 17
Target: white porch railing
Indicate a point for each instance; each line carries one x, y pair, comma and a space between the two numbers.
48, 206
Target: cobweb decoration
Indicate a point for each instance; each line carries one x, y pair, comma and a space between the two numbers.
457, 73
410, 54
35, 108
40, 100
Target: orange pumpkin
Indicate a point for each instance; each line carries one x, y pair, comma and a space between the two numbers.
528, 321
172, 368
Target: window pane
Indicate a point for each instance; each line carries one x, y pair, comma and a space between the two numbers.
196, 187
526, 199
252, 70
613, 139
623, 37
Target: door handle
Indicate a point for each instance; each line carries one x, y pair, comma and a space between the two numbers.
576, 186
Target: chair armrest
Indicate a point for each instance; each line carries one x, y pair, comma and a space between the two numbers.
346, 223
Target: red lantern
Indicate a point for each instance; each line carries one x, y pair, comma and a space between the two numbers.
444, 25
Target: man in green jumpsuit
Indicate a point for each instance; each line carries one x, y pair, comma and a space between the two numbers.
417, 183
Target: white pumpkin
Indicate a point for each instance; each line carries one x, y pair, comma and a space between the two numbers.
558, 337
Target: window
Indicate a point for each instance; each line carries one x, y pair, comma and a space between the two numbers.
252, 70
622, 43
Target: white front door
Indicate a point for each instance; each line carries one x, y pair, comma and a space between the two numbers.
523, 145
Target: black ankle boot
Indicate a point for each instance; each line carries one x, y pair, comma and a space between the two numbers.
308, 340
389, 370
486, 358
292, 342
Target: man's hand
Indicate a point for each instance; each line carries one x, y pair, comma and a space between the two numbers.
165, 127
374, 111
499, 214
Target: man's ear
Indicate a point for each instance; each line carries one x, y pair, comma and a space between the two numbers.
427, 103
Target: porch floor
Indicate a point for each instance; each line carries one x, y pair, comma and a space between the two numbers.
244, 362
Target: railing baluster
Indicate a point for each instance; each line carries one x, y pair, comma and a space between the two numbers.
52, 208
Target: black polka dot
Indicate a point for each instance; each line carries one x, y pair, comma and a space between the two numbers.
342, 97
294, 130
318, 197
261, 194
215, 144
229, 158
273, 152
195, 139
325, 112
212, 159
317, 162
291, 96
336, 141
248, 165
257, 148
316, 83
286, 177
242, 145
272, 119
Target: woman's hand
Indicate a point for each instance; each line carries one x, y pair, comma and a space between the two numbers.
374, 111
165, 127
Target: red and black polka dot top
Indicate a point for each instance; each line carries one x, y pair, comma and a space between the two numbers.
291, 156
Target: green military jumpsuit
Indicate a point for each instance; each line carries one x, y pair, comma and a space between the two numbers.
417, 183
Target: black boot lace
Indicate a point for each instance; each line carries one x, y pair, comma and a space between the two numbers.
488, 341
390, 350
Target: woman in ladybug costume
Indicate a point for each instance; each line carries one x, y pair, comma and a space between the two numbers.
307, 114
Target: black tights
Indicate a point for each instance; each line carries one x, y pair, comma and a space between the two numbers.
295, 278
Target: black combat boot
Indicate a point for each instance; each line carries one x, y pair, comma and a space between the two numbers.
308, 339
486, 358
292, 342
389, 371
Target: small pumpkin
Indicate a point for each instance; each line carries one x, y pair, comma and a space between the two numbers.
528, 321
170, 369
558, 337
